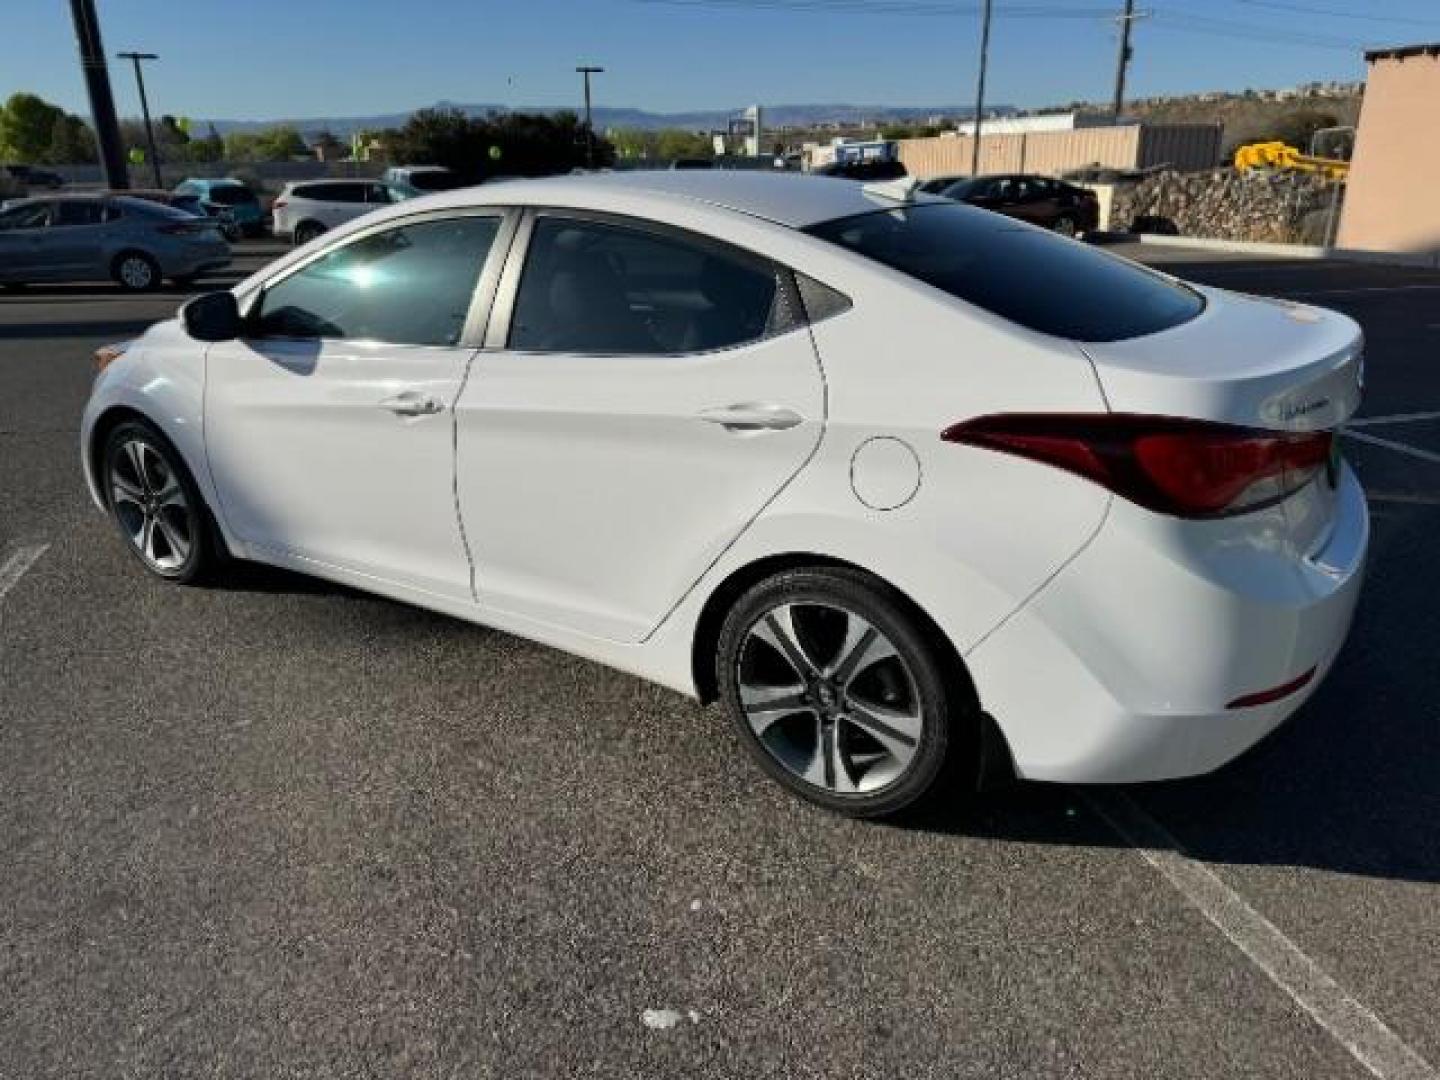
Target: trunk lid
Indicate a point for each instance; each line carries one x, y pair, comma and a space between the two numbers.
1245, 360
1258, 363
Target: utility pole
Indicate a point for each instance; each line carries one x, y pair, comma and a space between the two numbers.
97, 85
980, 91
586, 72
135, 58
1122, 62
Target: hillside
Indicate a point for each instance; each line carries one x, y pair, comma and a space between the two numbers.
1245, 118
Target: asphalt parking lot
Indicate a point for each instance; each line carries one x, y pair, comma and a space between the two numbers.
277, 828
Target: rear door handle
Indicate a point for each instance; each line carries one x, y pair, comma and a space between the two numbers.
413, 403
752, 416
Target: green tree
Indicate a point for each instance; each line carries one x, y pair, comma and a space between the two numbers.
501, 144
210, 148
280, 144
71, 142
27, 125
678, 143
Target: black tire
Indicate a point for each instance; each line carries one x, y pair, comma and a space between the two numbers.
945, 758
204, 554
307, 231
135, 271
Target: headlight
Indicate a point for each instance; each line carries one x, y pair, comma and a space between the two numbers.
108, 354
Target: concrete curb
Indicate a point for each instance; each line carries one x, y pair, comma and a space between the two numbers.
1294, 251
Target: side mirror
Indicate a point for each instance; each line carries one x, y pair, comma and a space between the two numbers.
212, 317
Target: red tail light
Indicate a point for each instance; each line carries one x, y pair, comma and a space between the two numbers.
185, 228
1187, 468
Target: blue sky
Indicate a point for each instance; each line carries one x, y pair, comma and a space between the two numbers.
271, 58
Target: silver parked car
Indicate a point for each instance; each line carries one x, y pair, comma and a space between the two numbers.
132, 241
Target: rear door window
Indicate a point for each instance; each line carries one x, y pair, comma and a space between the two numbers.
1040, 281
598, 287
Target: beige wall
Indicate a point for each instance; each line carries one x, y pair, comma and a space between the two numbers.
1391, 203
1186, 146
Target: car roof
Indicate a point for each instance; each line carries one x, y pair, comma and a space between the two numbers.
790, 199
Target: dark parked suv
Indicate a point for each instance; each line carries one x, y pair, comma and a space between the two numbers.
1040, 200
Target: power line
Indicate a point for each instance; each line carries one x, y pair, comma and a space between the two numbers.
1335, 13
1199, 24
904, 8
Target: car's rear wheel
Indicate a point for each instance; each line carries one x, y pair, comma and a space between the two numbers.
836, 687
307, 231
155, 504
134, 271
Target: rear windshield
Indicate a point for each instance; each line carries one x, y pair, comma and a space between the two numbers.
1041, 281
231, 195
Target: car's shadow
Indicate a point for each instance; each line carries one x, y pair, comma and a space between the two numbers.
1351, 784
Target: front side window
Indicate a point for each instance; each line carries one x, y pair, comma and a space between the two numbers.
30, 216
1030, 277
601, 288
407, 286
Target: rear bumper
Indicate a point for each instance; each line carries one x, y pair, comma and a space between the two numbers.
1121, 669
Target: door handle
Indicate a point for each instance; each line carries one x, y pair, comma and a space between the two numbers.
752, 416
413, 403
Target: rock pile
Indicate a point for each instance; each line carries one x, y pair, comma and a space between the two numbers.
1285, 207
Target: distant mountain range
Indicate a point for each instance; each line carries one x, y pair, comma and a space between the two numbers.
702, 120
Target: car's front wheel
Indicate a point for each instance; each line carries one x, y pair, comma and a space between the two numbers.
839, 690
155, 504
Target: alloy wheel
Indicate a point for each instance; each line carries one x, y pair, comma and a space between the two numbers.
150, 503
136, 272
830, 698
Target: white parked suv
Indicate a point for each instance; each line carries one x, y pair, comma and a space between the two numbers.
303, 211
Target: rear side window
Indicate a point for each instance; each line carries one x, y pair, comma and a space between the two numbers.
601, 288
407, 286
1040, 281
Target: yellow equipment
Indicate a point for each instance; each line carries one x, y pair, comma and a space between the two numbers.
1279, 155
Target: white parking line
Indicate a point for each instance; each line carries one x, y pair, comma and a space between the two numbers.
1355, 1027
13, 569
1390, 444
1395, 418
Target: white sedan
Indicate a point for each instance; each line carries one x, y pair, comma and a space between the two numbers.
910, 487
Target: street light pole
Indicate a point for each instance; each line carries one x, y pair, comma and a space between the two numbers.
97, 86
586, 72
980, 91
135, 58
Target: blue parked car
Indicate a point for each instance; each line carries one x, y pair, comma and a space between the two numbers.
227, 197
